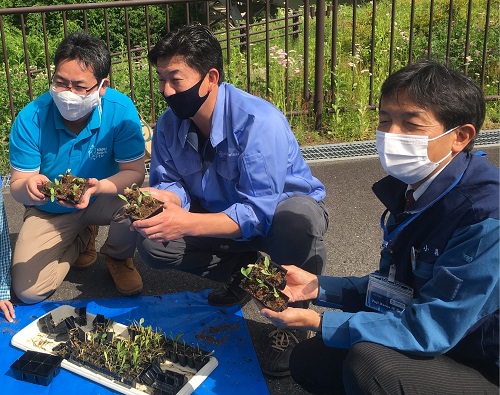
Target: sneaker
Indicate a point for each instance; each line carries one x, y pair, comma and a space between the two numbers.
276, 358
89, 256
230, 294
127, 279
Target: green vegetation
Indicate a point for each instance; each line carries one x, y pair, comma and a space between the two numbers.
347, 118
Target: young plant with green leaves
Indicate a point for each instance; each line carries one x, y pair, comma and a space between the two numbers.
140, 204
66, 187
263, 280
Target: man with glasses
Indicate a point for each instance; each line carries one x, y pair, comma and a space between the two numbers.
83, 126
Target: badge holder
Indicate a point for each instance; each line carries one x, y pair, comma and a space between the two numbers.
383, 295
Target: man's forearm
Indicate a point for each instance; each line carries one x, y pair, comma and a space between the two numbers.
214, 225
117, 183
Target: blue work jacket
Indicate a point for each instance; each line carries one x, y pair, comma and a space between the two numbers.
454, 271
256, 161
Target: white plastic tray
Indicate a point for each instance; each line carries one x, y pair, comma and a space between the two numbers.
30, 338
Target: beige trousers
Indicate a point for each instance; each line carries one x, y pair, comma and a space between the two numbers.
48, 243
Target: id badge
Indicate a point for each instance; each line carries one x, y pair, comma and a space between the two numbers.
383, 295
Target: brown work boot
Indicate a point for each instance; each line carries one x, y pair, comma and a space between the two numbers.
89, 256
127, 279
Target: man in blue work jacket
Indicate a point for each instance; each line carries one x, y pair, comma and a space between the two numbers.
427, 320
233, 180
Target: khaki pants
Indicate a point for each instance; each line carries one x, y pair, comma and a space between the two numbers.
49, 243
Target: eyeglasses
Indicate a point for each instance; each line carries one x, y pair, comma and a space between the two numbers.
61, 86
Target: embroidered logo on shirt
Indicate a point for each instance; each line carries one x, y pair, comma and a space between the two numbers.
430, 250
97, 153
224, 154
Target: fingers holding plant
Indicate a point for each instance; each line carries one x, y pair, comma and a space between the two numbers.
170, 224
33, 186
301, 285
68, 190
292, 318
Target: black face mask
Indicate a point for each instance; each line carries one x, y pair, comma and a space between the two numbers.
186, 104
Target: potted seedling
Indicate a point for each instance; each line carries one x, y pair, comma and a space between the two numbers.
139, 204
66, 187
136, 355
264, 280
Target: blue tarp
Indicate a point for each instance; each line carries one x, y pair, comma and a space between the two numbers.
212, 328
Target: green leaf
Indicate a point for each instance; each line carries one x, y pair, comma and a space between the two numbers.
123, 197
246, 270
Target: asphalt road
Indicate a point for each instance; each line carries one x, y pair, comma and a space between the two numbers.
353, 240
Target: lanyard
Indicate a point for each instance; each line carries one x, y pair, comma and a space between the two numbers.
389, 237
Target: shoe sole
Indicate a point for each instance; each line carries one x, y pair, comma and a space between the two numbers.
130, 293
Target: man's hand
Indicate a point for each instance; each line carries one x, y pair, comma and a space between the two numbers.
292, 318
168, 225
8, 310
92, 189
300, 284
25, 187
163, 196
175, 222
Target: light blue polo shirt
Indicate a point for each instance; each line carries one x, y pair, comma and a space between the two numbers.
40, 141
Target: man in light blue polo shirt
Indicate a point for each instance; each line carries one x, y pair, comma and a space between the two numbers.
82, 126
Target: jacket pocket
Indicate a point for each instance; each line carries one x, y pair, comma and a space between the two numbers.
446, 285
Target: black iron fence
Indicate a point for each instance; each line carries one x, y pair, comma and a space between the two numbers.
324, 50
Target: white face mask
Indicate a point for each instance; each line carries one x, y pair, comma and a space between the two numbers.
405, 156
72, 106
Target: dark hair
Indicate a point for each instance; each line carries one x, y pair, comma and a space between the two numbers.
196, 44
86, 49
451, 96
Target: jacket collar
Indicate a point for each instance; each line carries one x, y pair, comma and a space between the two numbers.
217, 132
390, 191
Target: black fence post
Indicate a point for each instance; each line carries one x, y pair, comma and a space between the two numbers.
319, 63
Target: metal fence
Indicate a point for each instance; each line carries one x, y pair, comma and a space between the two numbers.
131, 27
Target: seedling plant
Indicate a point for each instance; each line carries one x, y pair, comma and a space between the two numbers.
137, 360
66, 187
264, 281
139, 204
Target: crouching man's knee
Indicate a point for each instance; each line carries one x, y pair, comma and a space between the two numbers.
366, 371
159, 255
30, 295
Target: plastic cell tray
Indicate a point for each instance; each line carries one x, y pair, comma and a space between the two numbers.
30, 338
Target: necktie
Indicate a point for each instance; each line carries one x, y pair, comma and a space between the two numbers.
410, 200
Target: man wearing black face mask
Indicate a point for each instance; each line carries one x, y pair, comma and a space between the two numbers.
233, 180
